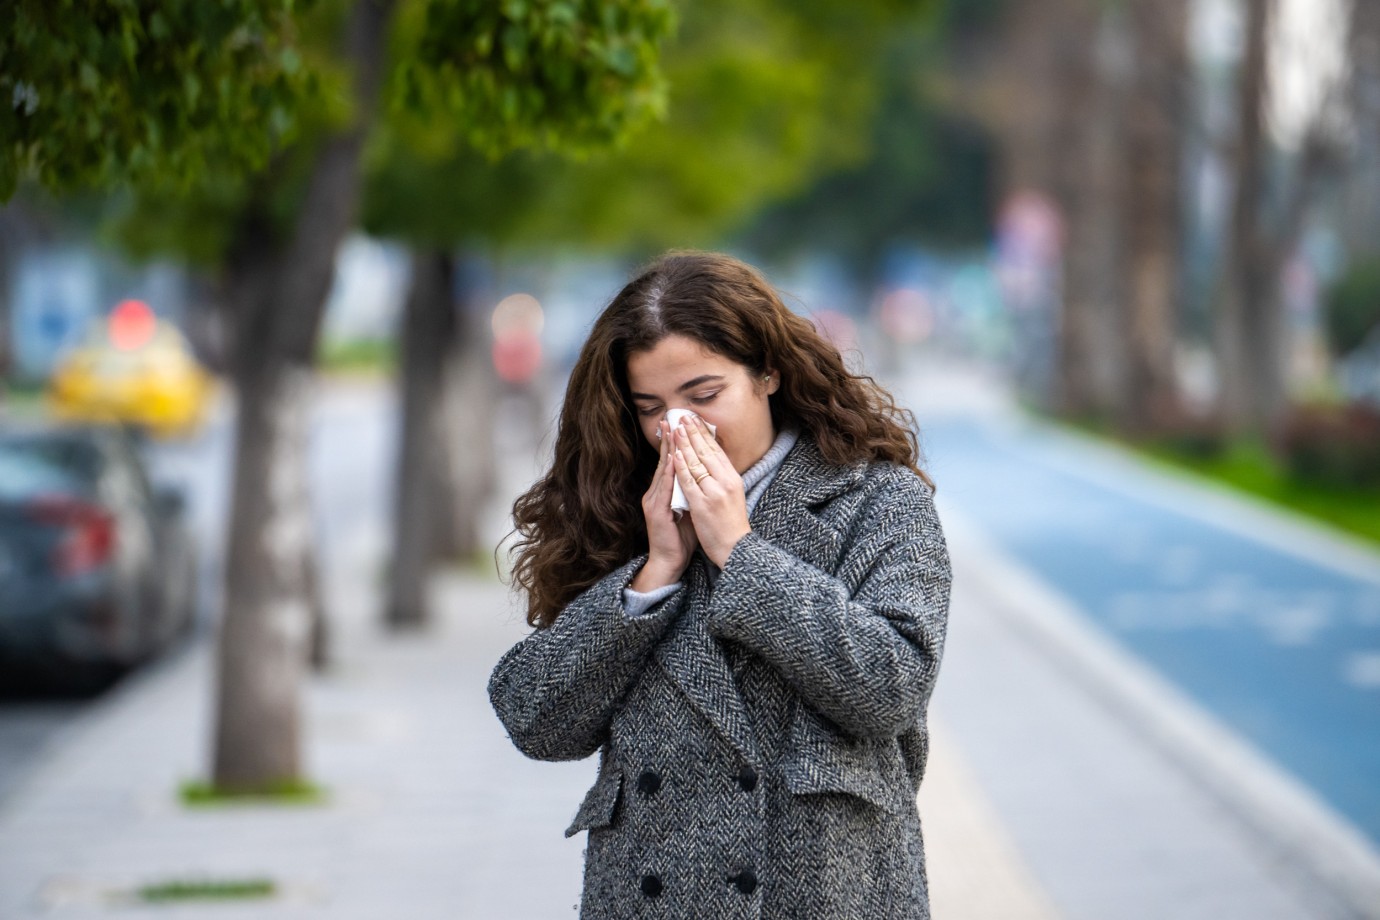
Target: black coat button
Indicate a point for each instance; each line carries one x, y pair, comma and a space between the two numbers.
745, 881
747, 778
648, 783
651, 886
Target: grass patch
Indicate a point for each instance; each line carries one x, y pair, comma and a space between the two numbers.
1250, 468
208, 890
357, 356
201, 794
479, 563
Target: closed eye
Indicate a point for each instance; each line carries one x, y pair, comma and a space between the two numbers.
701, 400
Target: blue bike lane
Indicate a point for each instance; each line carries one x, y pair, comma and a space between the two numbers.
1276, 636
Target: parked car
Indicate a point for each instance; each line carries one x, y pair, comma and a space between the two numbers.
132, 368
97, 567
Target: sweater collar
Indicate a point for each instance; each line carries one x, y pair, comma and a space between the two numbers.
763, 468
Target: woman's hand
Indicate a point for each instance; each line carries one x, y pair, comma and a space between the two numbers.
670, 543
718, 505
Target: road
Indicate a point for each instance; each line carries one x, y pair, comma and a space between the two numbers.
1272, 628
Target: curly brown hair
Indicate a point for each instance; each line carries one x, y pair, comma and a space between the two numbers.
584, 519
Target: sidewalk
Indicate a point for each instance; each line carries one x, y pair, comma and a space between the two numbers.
434, 814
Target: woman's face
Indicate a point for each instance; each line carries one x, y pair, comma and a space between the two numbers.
680, 373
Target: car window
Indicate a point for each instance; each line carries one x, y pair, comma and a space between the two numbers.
26, 472
74, 454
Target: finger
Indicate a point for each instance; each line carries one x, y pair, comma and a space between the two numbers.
687, 481
668, 474
713, 457
713, 460
660, 455
683, 443
695, 463
663, 474
708, 435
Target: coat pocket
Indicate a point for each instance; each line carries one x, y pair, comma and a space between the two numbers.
823, 759
600, 802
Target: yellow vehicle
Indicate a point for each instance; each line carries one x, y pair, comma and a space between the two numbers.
133, 368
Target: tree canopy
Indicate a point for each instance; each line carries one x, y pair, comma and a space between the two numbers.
926, 178
118, 90
764, 96
202, 108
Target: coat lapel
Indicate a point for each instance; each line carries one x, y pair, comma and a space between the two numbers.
697, 663
694, 658
784, 516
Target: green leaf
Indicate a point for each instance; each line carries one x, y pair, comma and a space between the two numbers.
514, 47
87, 77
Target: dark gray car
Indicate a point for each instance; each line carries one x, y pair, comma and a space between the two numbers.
97, 568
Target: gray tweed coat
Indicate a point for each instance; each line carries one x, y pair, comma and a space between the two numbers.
762, 736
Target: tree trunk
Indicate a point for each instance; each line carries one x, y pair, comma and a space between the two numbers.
1055, 106
471, 398
1088, 181
421, 506
1253, 337
446, 461
1022, 103
278, 299
1250, 333
266, 611
1360, 221
1151, 217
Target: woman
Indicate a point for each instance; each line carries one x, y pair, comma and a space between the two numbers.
754, 673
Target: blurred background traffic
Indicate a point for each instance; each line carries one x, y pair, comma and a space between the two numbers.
289, 291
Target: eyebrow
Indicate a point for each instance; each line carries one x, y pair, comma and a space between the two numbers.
687, 385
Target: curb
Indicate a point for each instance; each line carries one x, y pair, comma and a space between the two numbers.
1297, 830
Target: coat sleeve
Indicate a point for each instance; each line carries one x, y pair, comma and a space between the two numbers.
556, 691
866, 661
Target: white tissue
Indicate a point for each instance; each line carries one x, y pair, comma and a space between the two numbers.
674, 417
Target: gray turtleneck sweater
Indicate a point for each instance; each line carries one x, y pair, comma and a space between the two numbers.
755, 482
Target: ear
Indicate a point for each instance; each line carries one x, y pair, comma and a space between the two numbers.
773, 382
